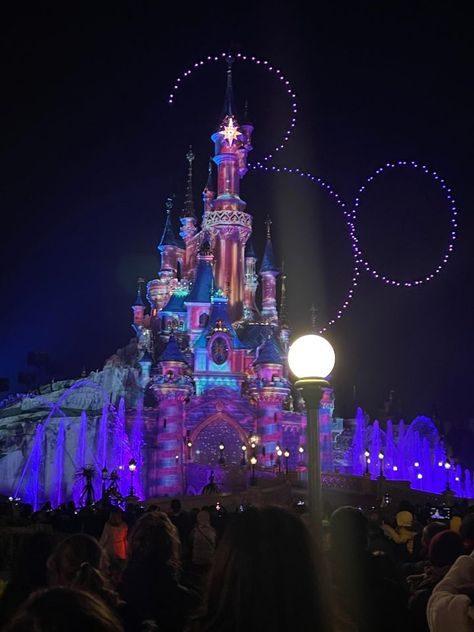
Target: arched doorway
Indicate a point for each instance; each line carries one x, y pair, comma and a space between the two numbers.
216, 430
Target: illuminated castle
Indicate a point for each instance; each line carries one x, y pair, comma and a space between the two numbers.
214, 367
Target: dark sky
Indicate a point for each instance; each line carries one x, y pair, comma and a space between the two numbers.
90, 149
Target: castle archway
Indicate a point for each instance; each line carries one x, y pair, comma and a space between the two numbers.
217, 429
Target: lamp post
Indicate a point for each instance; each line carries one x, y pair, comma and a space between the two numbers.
447, 467
132, 466
189, 445
253, 463
243, 461
105, 476
278, 461
311, 359
286, 454
381, 457
367, 462
221, 454
301, 452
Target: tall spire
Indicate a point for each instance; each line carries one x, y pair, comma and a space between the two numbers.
283, 314
168, 238
229, 108
209, 183
139, 299
188, 206
268, 261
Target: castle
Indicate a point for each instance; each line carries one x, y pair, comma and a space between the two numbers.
214, 368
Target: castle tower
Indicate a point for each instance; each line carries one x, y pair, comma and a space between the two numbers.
188, 220
138, 309
251, 312
283, 315
208, 192
198, 302
269, 273
270, 390
165, 445
172, 253
227, 223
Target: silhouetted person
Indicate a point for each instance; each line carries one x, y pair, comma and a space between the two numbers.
444, 549
263, 577
28, 572
150, 580
365, 587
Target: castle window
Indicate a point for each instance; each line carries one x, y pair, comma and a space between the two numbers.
203, 319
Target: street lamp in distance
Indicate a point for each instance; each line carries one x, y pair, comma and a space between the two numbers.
311, 359
253, 463
132, 466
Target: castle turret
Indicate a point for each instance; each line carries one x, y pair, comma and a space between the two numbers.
172, 253
208, 193
270, 389
269, 273
138, 308
227, 222
171, 388
189, 221
283, 315
251, 312
198, 301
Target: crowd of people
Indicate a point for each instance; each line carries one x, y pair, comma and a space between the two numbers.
258, 568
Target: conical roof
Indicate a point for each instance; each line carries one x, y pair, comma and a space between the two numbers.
172, 353
269, 353
168, 238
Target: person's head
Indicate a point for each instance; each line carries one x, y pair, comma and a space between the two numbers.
264, 576
29, 564
155, 539
430, 530
203, 518
445, 548
116, 516
175, 505
64, 610
349, 530
66, 560
404, 519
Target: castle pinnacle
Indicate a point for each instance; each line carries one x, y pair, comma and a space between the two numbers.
188, 206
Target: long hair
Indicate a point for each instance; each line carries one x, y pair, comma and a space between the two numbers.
155, 540
264, 577
64, 610
71, 553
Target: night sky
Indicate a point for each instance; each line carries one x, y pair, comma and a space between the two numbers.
90, 149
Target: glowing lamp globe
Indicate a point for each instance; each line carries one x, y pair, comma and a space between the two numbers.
311, 356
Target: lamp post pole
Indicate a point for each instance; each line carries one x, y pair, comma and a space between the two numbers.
132, 466
105, 476
367, 462
253, 463
286, 454
311, 359
311, 389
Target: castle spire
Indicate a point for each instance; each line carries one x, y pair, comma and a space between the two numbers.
139, 299
268, 261
269, 272
229, 108
188, 206
283, 314
168, 238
